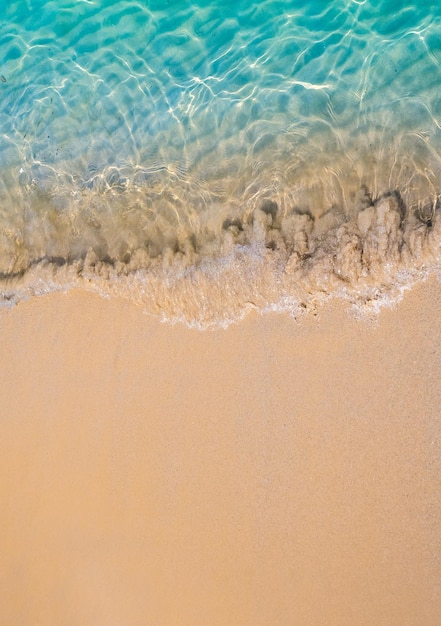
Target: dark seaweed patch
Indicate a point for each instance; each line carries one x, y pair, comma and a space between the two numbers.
270, 208
232, 223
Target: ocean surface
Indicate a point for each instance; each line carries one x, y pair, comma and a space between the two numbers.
208, 158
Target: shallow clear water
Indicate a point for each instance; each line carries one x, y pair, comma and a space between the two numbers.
208, 157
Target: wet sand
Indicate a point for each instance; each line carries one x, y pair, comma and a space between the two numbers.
274, 473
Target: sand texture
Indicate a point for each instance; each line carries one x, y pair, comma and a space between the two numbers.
273, 473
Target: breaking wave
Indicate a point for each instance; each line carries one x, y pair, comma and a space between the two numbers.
269, 259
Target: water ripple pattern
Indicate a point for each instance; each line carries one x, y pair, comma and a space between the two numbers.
183, 142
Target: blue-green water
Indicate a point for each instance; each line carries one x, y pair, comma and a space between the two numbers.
208, 157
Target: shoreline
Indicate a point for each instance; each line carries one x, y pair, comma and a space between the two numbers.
273, 472
276, 261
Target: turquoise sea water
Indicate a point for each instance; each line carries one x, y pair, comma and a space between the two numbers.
208, 157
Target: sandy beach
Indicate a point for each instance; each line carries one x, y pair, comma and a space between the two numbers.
275, 473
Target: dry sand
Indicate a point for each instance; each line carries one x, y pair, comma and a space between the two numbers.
274, 473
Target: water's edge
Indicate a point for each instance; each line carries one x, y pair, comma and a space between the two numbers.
267, 262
